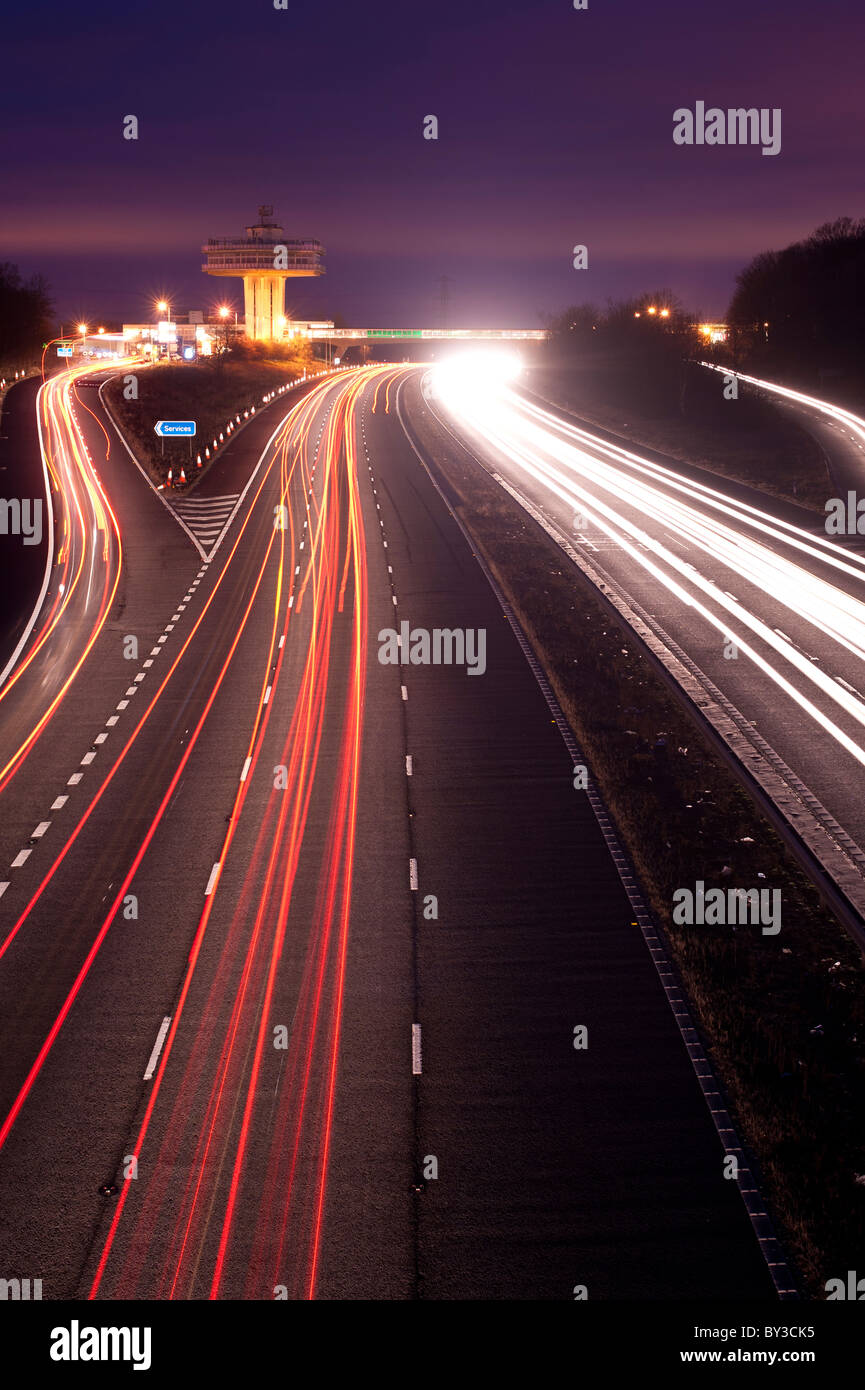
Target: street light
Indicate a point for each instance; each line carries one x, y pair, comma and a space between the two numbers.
163, 307
82, 329
651, 310
665, 313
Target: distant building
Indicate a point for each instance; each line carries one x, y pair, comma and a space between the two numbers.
183, 335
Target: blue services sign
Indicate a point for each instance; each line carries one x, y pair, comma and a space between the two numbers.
174, 428
64, 352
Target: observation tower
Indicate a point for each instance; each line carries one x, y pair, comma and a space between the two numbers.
264, 260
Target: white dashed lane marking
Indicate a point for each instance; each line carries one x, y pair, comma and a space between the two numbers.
211, 882
157, 1047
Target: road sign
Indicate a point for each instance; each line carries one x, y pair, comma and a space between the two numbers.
64, 352
174, 428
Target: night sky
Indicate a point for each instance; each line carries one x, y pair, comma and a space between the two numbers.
555, 128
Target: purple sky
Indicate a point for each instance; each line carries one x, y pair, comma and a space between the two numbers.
555, 128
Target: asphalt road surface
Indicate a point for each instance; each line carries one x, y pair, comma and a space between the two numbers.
291, 971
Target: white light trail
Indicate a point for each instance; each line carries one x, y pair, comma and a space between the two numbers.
606, 484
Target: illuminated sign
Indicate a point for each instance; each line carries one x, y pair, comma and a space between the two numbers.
167, 429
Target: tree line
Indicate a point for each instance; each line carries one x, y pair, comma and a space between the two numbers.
798, 310
26, 314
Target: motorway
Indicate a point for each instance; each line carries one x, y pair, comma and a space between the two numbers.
766, 608
291, 968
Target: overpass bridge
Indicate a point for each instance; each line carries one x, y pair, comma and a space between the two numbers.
376, 335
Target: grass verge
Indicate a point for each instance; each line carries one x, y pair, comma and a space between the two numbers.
746, 440
209, 394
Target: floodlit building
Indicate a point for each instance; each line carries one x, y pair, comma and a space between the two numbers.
264, 260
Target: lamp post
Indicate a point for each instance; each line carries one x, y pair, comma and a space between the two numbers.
225, 314
163, 307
